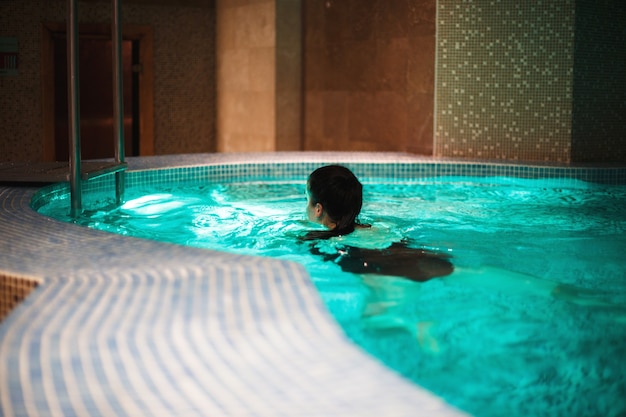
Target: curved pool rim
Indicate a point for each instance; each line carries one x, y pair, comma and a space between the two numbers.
257, 339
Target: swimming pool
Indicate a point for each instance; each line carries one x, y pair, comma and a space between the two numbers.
445, 333
114, 325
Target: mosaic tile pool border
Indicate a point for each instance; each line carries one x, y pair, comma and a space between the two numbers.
274, 167
392, 171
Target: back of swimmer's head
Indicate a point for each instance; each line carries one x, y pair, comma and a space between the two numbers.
339, 192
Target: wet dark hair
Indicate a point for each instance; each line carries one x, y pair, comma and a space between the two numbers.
340, 193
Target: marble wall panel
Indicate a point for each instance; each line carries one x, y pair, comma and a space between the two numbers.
365, 64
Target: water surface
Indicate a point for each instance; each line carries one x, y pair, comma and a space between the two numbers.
532, 322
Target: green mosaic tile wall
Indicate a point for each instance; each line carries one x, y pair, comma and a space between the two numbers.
504, 79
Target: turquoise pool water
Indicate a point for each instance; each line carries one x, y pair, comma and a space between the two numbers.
532, 322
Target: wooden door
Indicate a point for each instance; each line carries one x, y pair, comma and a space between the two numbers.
96, 98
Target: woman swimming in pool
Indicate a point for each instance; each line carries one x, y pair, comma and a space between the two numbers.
334, 200
334, 197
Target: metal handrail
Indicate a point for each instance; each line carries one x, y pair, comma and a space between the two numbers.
118, 98
74, 105
74, 108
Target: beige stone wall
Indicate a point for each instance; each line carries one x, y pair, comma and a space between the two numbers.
369, 75
510, 83
184, 71
289, 94
246, 84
